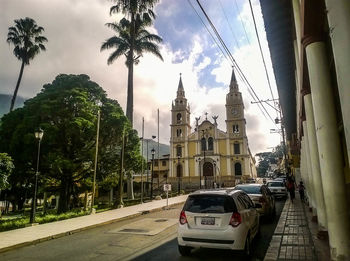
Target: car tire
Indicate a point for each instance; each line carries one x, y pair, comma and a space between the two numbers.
248, 247
184, 250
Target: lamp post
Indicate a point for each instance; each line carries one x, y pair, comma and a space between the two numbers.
204, 148
147, 177
38, 135
153, 152
178, 175
96, 153
199, 165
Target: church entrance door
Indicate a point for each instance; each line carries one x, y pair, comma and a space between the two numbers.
208, 173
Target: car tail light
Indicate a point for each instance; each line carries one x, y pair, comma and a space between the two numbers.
262, 200
183, 218
236, 219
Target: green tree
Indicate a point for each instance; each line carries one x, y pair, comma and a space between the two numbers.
66, 110
6, 168
132, 38
28, 41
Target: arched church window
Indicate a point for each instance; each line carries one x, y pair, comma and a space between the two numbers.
179, 117
178, 133
238, 169
203, 144
178, 150
236, 148
235, 128
210, 143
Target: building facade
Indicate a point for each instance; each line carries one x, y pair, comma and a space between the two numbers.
206, 156
309, 44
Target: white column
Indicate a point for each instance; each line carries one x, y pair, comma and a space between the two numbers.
330, 153
315, 164
339, 21
296, 13
309, 171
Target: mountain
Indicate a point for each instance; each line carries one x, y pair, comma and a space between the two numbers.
163, 148
5, 101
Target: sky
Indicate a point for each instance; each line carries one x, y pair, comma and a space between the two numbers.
76, 29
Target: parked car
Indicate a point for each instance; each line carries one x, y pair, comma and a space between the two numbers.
278, 188
222, 219
261, 196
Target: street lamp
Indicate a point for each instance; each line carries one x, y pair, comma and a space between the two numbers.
200, 170
147, 178
178, 174
38, 135
153, 152
96, 153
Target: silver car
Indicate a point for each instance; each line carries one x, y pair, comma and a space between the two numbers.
222, 219
261, 197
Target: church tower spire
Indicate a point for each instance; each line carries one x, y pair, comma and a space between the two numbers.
180, 89
233, 83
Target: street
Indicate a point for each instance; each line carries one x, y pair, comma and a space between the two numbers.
150, 236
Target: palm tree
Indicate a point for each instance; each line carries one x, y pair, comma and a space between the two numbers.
136, 10
28, 41
132, 48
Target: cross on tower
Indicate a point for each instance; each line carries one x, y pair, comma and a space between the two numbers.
206, 116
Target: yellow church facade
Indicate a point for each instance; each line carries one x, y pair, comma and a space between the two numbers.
207, 157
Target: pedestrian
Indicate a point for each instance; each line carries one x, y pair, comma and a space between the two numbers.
301, 189
291, 188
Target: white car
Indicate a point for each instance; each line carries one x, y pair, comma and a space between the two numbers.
222, 219
278, 188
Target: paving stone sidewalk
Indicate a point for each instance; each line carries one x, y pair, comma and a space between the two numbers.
35, 234
292, 238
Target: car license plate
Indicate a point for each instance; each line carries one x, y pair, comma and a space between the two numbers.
208, 221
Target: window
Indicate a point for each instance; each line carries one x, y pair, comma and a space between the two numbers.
210, 204
203, 144
156, 163
210, 144
179, 117
238, 169
163, 163
235, 128
236, 148
178, 151
179, 133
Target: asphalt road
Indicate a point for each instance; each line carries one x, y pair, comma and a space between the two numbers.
169, 250
121, 241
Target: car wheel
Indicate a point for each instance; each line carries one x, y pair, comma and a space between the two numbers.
248, 247
184, 250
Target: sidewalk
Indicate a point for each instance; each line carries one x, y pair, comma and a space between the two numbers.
31, 235
293, 238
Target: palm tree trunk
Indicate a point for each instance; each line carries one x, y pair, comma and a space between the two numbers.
17, 86
130, 98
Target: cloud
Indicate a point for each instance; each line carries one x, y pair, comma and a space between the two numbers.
76, 29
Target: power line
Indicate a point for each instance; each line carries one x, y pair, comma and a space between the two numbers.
240, 18
213, 38
240, 73
261, 52
233, 34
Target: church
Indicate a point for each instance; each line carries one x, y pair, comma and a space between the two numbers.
207, 157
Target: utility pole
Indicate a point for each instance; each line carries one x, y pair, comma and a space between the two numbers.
277, 121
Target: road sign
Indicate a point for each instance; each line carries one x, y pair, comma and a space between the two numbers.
167, 187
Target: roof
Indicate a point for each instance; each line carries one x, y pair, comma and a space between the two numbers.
278, 22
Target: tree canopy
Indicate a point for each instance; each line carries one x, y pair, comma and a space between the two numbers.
66, 110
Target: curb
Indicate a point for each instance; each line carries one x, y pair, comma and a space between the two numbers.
43, 239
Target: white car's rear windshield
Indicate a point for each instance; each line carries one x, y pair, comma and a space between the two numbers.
210, 204
275, 184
